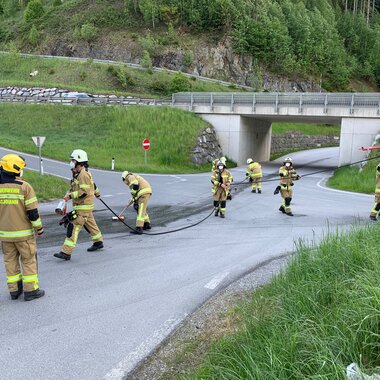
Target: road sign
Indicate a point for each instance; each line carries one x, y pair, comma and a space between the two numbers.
39, 140
146, 144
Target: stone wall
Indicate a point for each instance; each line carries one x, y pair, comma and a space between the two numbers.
207, 148
295, 140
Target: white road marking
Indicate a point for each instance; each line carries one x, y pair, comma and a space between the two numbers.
341, 191
107, 196
216, 280
129, 362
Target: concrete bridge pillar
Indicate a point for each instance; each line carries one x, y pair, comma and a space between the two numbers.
355, 133
242, 137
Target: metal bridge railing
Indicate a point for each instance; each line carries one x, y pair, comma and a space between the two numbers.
351, 101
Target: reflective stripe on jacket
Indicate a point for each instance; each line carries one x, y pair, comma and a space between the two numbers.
144, 187
82, 191
218, 178
287, 176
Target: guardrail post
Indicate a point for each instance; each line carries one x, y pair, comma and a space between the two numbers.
326, 104
300, 105
254, 103
352, 104
191, 101
232, 102
211, 102
276, 105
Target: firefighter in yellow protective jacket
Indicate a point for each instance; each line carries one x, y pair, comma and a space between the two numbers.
221, 181
215, 163
376, 207
287, 175
82, 192
19, 220
255, 175
141, 192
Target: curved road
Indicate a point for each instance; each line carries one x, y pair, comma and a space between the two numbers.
105, 311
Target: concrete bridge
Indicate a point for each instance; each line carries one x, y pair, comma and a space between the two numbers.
243, 121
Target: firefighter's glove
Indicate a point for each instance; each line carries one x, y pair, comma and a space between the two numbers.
65, 221
72, 215
136, 206
66, 197
40, 231
278, 188
229, 196
298, 177
97, 195
250, 179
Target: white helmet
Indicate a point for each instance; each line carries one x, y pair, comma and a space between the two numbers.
288, 159
79, 155
249, 161
124, 174
223, 159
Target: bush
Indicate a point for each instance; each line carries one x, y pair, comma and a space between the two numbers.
122, 75
33, 11
188, 59
179, 83
34, 36
146, 62
88, 32
57, 3
161, 86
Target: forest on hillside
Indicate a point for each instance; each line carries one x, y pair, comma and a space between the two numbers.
336, 39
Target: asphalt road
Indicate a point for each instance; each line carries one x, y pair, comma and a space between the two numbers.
105, 311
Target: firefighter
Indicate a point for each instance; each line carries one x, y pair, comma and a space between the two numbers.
82, 192
287, 176
376, 207
255, 175
141, 192
221, 180
19, 220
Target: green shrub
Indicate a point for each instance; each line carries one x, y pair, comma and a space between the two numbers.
146, 62
179, 83
57, 3
82, 75
33, 11
122, 75
188, 58
88, 32
34, 36
161, 86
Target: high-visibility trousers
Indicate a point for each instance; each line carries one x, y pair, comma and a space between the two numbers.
84, 219
20, 259
286, 194
142, 215
376, 207
256, 182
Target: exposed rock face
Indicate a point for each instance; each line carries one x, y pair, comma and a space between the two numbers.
207, 148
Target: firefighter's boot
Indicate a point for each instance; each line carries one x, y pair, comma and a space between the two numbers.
259, 191
289, 213
147, 226
216, 213
38, 293
16, 294
282, 209
137, 231
222, 215
97, 245
253, 191
62, 255
373, 217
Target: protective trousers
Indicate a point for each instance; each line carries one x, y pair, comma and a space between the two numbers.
86, 220
286, 194
376, 207
142, 215
256, 183
26, 252
220, 197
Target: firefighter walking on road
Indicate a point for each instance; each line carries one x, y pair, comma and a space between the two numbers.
19, 220
82, 192
287, 175
221, 180
255, 175
376, 207
141, 192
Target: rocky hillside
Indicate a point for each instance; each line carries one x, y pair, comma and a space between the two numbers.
282, 45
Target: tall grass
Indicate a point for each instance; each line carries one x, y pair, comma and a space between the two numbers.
106, 133
313, 320
306, 129
354, 178
47, 187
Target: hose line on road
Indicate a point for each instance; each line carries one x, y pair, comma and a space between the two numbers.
158, 233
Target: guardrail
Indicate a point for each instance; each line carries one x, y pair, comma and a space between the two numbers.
277, 100
85, 101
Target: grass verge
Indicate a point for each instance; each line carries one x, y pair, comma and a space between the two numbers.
313, 320
306, 129
47, 187
106, 132
356, 178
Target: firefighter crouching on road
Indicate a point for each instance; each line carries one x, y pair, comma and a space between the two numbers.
141, 192
376, 207
82, 192
287, 176
221, 180
255, 175
19, 219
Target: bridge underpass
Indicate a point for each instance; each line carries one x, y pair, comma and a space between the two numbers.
243, 122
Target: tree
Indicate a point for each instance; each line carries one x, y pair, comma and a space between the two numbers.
33, 11
34, 36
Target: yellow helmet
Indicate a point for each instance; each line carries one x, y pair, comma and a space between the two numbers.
12, 163
124, 175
